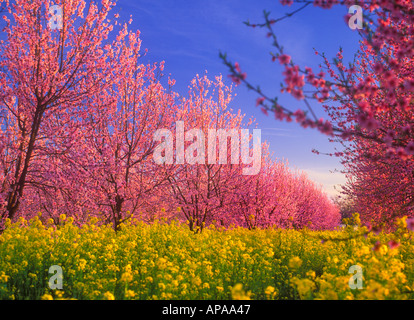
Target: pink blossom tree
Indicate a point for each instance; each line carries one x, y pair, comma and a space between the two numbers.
369, 102
118, 162
204, 190
48, 76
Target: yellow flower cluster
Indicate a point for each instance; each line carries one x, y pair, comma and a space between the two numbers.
167, 261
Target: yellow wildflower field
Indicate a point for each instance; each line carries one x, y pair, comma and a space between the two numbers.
167, 261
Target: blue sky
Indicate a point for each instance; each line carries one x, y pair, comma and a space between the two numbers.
188, 35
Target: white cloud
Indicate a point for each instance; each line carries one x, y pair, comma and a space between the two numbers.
279, 132
327, 179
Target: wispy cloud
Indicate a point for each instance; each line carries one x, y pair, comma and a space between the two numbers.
279, 132
183, 53
277, 129
328, 180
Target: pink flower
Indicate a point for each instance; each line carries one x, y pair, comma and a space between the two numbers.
300, 115
378, 68
370, 124
298, 94
406, 129
361, 118
389, 152
310, 77
390, 80
279, 114
391, 96
284, 59
317, 3
410, 224
403, 104
363, 105
346, 135
409, 149
286, 2
259, 101
392, 244
237, 67
325, 127
235, 79
347, 17
325, 93
409, 84
401, 153
297, 80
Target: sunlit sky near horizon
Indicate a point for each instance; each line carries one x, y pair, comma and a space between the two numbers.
188, 36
